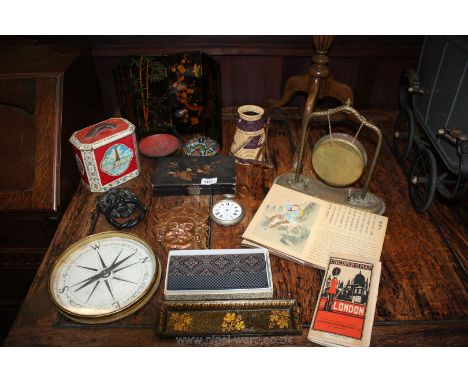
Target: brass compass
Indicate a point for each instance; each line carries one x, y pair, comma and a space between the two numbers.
104, 277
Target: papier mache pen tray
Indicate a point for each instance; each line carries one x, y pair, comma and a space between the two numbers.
180, 175
218, 274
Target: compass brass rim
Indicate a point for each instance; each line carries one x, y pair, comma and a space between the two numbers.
120, 313
224, 222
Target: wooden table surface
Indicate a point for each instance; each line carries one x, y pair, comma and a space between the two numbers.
422, 296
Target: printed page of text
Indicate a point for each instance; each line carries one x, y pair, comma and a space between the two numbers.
345, 229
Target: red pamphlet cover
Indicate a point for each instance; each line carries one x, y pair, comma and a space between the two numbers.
345, 308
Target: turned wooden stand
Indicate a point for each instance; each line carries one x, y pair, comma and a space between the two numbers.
318, 83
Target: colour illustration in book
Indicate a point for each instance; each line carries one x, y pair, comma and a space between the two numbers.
343, 299
289, 222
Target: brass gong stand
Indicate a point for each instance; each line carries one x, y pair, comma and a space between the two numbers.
350, 196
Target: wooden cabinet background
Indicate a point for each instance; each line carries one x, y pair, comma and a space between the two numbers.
46, 93
255, 68
30, 107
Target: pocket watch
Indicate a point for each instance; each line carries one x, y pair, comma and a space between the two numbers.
227, 211
104, 277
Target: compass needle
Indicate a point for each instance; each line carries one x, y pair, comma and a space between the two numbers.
109, 288
95, 286
94, 278
112, 267
90, 279
102, 261
88, 268
127, 266
120, 279
116, 258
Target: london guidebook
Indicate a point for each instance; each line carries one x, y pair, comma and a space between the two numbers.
345, 308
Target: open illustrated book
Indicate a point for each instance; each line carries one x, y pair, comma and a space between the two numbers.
307, 230
344, 241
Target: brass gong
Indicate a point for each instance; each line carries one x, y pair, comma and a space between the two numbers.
339, 159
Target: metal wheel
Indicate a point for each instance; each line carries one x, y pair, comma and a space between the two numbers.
451, 187
403, 135
423, 180
404, 96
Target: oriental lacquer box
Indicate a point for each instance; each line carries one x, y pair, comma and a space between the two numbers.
180, 175
218, 274
106, 154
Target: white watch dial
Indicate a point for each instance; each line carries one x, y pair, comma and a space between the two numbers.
227, 212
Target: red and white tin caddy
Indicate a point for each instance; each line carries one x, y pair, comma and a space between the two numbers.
106, 154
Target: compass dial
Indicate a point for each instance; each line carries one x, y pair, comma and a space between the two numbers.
104, 277
227, 212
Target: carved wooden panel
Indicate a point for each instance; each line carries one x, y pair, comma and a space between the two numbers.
30, 112
17, 135
33, 230
17, 150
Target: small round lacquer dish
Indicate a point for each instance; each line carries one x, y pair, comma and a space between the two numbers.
158, 145
104, 277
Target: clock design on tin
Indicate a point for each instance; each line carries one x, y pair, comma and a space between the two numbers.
227, 211
104, 277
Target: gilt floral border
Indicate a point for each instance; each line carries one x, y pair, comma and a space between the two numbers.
253, 317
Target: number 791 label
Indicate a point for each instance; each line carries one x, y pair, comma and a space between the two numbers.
208, 181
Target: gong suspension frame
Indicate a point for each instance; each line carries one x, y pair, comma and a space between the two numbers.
340, 109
